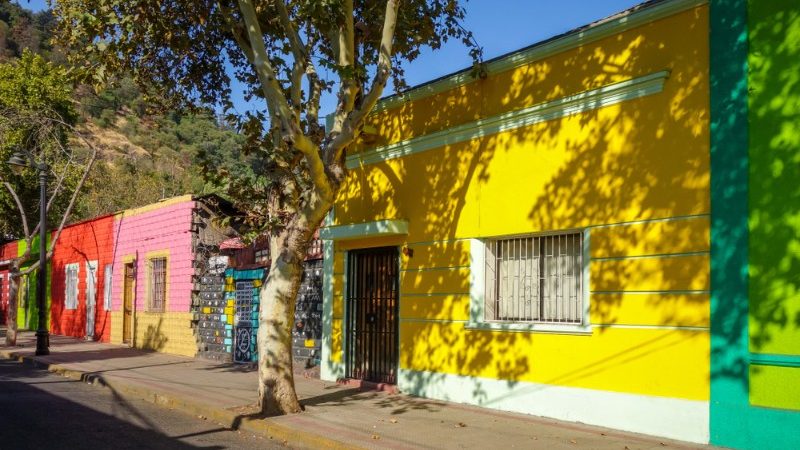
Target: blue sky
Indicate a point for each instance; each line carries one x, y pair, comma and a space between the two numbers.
500, 26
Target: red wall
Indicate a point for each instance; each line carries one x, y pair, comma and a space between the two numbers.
7, 252
92, 240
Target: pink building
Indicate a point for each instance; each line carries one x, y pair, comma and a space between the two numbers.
160, 250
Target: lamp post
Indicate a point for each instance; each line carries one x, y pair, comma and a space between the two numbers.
18, 162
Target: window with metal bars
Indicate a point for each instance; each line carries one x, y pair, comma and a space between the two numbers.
158, 284
535, 279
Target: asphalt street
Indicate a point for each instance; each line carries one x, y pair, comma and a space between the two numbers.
40, 410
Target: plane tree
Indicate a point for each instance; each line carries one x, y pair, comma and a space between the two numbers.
287, 55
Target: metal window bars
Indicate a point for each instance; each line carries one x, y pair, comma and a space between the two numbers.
535, 279
158, 283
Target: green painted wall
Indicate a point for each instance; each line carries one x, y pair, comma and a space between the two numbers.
755, 162
28, 311
774, 112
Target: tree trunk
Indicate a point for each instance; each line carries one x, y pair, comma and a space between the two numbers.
276, 391
11, 315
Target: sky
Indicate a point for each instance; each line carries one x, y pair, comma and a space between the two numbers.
499, 26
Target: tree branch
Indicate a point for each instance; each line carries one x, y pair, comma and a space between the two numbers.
345, 46
290, 132
264, 70
354, 120
19, 207
65, 216
300, 57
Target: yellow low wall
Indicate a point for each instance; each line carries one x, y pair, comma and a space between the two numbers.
169, 332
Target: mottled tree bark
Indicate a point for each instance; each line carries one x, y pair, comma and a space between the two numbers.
276, 391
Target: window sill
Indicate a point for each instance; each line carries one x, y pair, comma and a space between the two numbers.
531, 327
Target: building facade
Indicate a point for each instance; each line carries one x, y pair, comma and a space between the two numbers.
8, 251
160, 252
755, 249
540, 238
81, 267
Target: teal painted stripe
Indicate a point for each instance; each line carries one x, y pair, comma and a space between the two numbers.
730, 412
607, 95
764, 359
541, 50
655, 255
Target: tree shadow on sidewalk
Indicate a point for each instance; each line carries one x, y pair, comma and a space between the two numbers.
50, 420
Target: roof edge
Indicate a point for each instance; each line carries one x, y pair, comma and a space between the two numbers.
636, 16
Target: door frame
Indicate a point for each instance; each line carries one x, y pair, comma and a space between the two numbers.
349, 345
91, 312
128, 298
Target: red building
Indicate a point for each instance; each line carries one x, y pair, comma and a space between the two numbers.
8, 251
82, 260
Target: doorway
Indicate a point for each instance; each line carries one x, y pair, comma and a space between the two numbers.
372, 306
127, 303
91, 297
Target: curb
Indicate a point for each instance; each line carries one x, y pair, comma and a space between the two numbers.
226, 418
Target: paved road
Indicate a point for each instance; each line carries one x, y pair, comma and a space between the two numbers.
41, 410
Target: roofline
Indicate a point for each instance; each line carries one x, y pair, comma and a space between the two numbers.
636, 16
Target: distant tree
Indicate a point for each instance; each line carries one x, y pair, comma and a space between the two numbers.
180, 50
37, 116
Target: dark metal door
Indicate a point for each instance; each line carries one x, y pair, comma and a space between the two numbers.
372, 344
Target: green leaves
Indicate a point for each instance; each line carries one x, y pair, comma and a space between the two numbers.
36, 107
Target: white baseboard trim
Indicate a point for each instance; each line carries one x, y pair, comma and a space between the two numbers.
686, 420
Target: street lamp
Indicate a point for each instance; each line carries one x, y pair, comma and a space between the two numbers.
19, 161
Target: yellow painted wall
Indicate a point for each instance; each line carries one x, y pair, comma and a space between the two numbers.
639, 161
169, 332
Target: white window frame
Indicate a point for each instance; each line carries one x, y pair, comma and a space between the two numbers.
108, 274
70, 300
91, 283
478, 288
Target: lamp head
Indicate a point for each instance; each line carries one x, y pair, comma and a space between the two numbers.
18, 162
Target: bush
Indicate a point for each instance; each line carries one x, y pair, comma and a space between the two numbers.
107, 118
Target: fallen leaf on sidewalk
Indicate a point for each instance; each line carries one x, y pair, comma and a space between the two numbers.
461, 425
393, 420
375, 436
573, 441
201, 417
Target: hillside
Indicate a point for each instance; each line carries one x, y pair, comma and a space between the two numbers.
145, 155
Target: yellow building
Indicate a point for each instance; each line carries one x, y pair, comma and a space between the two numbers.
537, 240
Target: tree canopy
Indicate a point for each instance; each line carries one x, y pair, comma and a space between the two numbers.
36, 110
186, 53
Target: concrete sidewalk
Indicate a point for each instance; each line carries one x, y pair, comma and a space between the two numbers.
336, 416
